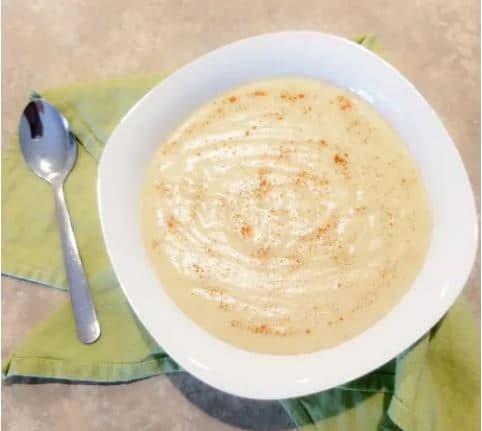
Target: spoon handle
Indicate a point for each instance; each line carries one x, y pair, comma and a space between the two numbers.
87, 325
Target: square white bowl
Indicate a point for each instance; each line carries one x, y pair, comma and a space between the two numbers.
344, 64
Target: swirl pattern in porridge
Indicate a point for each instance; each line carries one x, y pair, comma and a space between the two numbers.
285, 216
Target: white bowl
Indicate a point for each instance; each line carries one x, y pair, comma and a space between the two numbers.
345, 64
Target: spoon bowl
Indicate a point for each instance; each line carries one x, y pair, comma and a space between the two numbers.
46, 141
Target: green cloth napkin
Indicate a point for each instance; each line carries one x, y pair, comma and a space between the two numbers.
434, 385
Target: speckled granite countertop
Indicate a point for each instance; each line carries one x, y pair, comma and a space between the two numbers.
47, 42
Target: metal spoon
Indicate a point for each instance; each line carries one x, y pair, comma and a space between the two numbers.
50, 151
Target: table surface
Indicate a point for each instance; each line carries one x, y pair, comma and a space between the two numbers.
47, 42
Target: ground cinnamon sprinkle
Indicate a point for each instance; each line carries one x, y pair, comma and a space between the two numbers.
301, 178
291, 97
246, 230
319, 233
154, 244
295, 260
171, 222
341, 258
338, 158
344, 103
197, 268
262, 252
264, 186
342, 160
332, 322
322, 142
266, 330
214, 291
261, 329
246, 133
322, 230
259, 93
272, 115
232, 99
284, 152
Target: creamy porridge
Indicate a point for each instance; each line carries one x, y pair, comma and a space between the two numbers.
285, 216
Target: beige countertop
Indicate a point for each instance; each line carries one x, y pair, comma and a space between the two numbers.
47, 42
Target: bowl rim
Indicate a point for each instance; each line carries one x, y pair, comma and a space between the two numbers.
265, 375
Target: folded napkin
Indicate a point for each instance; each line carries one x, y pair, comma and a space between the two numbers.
434, 385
